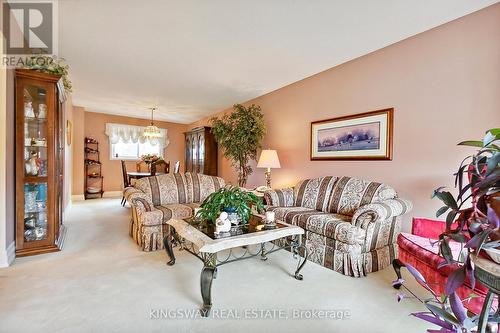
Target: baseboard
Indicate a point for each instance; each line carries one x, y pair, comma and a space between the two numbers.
112, 194
77, 197
66, 210
11, 253
8, 255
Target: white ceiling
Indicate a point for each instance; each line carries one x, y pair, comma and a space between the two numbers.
193, 57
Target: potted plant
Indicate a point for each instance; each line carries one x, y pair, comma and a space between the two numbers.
51, 65
472, 221
239, 134
230, 199
150, 158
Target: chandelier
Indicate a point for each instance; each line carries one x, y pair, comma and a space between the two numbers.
151, 131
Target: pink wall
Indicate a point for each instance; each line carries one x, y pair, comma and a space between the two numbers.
444, 85
94, 125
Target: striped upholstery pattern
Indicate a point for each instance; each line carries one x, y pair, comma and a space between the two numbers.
334, 226
350, 193
176, 211
348, 259
281, 198
200, 186
164, 189
155, 200
380, 211
314, 193
351, 225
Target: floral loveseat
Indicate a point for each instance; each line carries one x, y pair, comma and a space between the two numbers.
351, 225
155, 200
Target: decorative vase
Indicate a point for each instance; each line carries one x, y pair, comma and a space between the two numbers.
232, 215
42, 111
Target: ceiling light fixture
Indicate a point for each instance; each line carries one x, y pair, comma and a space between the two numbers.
151, 131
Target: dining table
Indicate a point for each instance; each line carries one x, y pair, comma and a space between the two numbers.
139, 175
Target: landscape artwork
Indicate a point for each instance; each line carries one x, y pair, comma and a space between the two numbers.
362, 136
355, 137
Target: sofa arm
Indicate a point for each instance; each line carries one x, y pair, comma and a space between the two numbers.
138, 199
380, 211
280, 198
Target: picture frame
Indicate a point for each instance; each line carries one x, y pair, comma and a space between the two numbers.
363, 136
69, 132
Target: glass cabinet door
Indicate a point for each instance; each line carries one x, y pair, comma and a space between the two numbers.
39, 163
35, 163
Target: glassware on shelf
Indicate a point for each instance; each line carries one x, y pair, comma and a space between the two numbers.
33, 164
42, 111
28, 110
30, 201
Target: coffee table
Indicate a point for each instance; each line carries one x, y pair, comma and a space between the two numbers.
201, 241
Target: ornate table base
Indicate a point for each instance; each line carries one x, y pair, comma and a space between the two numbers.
211, 262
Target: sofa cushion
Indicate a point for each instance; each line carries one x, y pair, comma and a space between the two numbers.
314, 193
164, 189
281, 198
177, 211
200, 186
334, 226
427, 251
350, 193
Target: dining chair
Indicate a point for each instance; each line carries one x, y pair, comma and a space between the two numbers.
142, 166
177, 166
160, 166
126, 180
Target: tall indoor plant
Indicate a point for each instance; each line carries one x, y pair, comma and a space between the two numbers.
472, 221
239, 134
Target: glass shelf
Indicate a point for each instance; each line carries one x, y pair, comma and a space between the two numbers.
35, 211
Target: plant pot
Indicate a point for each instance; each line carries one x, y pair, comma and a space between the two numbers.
232, 215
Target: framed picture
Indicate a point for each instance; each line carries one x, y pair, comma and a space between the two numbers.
364, 136
69, 132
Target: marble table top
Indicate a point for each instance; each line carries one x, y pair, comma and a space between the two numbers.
206, 244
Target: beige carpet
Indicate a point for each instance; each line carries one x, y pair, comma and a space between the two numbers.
101, 282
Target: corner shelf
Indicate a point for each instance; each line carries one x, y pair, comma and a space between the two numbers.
93, 168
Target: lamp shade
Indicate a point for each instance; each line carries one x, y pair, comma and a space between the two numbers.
269, 159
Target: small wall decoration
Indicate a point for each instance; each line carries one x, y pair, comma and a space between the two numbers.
69, 132
364, 136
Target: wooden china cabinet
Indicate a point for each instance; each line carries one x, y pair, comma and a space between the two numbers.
39, 162
201, 151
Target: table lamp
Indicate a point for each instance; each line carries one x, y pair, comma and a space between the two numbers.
268, 159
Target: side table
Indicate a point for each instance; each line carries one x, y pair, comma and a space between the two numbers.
488, 273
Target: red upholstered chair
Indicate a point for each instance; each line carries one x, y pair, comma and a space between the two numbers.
418, 250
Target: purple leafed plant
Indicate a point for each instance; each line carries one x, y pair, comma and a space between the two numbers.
472, 220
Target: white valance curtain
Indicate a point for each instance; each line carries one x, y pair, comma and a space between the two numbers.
131, 133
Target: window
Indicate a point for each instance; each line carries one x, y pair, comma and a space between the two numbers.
133, 151
126, 142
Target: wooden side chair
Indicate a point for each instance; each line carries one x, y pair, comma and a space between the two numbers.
126, 180
142, 166
160, 166
177, 166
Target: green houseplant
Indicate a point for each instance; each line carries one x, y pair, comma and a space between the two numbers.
231, 199
473, 221
239, 134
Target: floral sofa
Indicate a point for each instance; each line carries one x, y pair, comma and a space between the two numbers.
351, 225
155, 200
